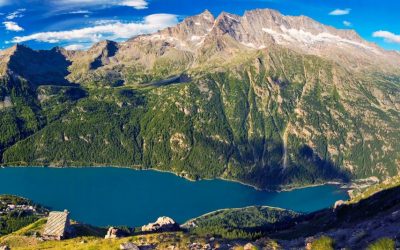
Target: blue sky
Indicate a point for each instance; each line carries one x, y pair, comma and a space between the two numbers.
77, 24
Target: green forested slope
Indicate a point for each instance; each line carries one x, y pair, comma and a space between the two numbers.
240, 223
268, 118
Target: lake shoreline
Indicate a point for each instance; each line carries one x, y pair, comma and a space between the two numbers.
187, 223
85, 189
282, 188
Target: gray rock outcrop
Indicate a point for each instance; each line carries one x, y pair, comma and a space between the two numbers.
162, 224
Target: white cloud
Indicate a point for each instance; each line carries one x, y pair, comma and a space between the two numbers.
387, 35
137, 4
111, 31
15, 14
340, 12
75, 47
12, 26
347, 23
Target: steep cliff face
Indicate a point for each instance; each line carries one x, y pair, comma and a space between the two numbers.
265, 98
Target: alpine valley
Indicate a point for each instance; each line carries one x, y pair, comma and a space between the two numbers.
269, 100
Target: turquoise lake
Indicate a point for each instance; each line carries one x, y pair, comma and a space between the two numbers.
117, 196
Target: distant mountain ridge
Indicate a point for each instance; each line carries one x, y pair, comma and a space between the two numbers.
240, 97
257, 29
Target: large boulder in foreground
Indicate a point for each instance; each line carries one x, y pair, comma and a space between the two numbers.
113, 233
162, 224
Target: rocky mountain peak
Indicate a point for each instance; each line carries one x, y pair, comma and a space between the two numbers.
18, 49
289, 29
226, 23
263, 28
104, 47
36, 66
13, 56
264, 14
207, 15
187, 35
7, 55
204, 34
101, 53
227, 20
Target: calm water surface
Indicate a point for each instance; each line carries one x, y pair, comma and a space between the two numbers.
116, 196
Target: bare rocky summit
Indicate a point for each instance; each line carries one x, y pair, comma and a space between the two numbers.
192, 39
264, 28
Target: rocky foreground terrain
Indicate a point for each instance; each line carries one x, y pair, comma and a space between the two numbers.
239, 97
369, 220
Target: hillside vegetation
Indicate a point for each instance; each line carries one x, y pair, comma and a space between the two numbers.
16, 213
245, 122
241, 223
300, 113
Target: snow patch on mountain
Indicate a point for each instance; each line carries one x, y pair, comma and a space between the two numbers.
307, 38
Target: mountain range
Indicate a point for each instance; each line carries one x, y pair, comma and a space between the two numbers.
266, 99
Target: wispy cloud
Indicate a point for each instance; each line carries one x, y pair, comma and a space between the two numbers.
340, 12
12, 26
15, 14
137, 4
347, 23
104, 21
75, 47
80, 12
112, 31
387, 36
